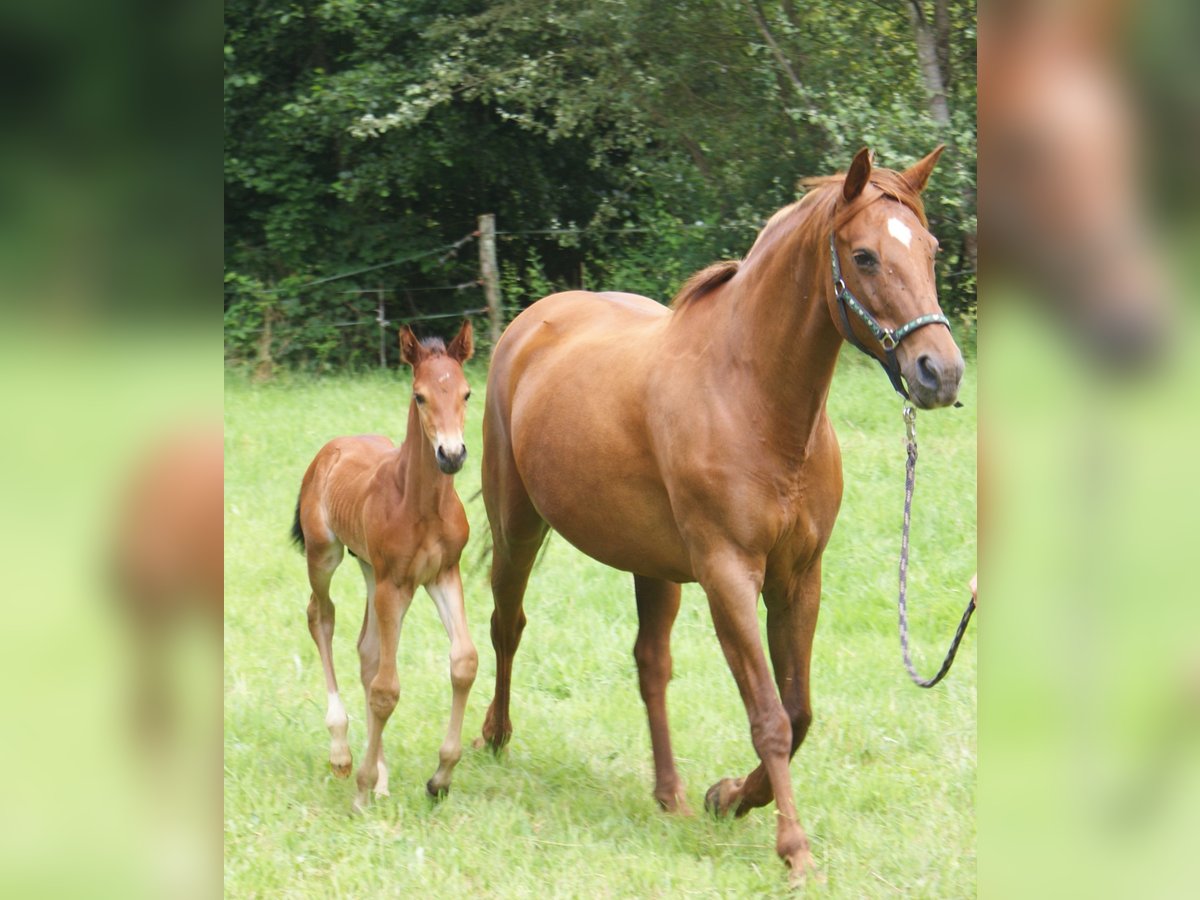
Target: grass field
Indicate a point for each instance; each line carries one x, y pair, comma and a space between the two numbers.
885, 781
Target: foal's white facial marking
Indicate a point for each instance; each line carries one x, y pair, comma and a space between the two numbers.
900, 231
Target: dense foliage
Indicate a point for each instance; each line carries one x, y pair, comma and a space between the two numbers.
620, 144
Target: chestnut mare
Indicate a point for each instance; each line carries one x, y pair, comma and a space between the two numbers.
396, 510
692, 445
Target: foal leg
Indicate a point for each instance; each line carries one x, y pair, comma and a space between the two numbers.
368, 661
733, 599
447, 594
322, 562
383, 692
657, 606
791, 621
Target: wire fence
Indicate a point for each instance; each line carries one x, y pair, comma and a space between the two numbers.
298, 322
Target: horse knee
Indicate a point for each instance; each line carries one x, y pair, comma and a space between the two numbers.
384, 698
771, 733
463, 667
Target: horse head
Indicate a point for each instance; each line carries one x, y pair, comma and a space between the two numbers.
440, 392
885, 294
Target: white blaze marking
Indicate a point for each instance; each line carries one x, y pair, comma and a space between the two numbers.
443, 377
900, 231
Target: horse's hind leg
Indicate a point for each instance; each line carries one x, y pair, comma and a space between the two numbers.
323, 560
447, 594
368, 661
657, 605
517, 535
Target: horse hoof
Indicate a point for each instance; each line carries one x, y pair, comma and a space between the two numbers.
718, 800
802, 869
712, 800
675, 805
436, 793
341, 770
486, 743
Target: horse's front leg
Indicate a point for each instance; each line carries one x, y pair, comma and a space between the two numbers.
732, 584
792, 602
391, 604
447, 594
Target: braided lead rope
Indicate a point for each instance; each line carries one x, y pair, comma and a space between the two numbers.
910, 478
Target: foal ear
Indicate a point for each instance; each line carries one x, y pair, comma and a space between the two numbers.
917, 175
411, 350
858, 176
462, 347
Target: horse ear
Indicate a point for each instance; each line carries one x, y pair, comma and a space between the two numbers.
917, 175
411, 350
462, 347
858, 176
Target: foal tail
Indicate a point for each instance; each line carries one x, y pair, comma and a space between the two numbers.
297, 531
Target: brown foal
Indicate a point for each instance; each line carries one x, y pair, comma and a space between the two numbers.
692, 444
396, 510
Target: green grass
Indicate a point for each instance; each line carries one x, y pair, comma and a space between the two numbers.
884, 783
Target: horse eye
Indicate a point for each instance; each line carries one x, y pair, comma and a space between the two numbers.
420, 398
467, 396
864, 258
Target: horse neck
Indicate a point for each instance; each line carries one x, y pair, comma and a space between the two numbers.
423, 483
781, 332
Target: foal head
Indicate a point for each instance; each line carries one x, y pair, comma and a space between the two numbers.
886, 258
440, 391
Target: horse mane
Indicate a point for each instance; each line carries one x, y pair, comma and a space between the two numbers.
809, 219
705, 282
435, 345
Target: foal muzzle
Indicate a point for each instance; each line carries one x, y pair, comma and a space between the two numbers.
451, 461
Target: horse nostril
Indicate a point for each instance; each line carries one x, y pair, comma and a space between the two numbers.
927, 372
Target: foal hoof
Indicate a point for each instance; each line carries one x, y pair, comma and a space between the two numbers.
341, 770
436, 793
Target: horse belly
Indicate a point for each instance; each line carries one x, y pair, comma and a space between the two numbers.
572, 371
621, 531
601, 492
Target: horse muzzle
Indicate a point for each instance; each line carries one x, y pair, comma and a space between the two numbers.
933, 379
451, 461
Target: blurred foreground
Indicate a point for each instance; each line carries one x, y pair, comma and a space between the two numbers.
109, 341
1090, 632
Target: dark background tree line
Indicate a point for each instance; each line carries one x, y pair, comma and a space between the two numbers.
621, 145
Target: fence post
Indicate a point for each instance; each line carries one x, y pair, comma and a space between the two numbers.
489, 272
382, 330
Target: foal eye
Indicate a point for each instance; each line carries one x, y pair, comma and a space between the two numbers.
467, 396
865, 258
420, 398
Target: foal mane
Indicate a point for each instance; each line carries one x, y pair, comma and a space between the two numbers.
809, 220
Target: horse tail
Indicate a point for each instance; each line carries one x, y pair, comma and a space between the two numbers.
297, 531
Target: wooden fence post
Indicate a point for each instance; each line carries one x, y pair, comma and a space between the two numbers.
489, 272
383, 323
